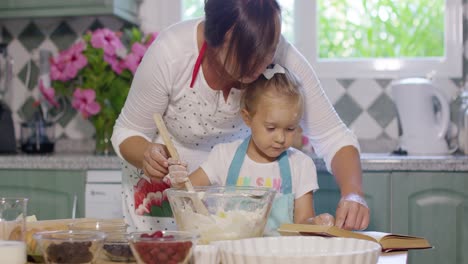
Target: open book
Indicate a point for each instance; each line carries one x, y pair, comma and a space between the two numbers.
388, 242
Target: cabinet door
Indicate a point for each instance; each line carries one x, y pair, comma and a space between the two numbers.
52, 193
126, 9
435, 206
376, 187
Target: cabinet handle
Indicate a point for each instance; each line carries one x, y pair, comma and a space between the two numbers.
97, 193
75, 201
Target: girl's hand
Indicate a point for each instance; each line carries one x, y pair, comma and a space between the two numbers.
178, 173
155, 161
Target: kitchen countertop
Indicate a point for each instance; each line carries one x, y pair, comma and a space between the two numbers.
369, 161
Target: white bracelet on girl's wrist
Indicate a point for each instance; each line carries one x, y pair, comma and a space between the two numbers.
354, 197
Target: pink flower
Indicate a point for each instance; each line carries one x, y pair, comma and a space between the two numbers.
66, 65
108, 40
48, 93
151, 38
134, 58
84, 102
117, 65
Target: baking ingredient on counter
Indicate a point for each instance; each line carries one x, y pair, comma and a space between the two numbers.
235, 211
69, 252
224, 225
116, 246
162, 247
12, 252
71, 247
120, 252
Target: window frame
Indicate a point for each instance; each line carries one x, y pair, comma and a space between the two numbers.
449, 66
169, 12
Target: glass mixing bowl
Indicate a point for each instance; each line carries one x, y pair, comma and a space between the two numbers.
162, 247
73, 246
233, 212
116, 247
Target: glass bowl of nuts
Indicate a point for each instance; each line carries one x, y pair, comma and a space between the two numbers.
116, 247
72, 246
163, 246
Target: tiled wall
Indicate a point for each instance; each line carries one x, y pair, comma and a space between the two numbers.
25, 37
365, 105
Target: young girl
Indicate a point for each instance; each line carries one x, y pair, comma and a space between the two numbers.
272, 108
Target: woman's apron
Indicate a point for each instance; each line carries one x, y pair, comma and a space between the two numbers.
282, 210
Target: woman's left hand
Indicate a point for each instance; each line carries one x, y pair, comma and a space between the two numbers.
352, 213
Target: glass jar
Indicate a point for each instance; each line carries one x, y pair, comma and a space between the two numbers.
37, 137
462, 123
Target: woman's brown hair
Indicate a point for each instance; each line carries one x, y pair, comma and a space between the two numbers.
253, 27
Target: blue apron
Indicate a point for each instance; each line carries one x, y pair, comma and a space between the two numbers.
282, 210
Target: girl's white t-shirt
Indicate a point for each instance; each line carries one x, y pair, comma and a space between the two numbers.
303, 171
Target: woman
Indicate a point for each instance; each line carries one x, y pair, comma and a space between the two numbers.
191, 73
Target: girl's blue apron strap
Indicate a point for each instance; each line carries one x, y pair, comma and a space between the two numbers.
236, 163
285, 172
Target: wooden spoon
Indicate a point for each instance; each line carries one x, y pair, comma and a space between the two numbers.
199, 205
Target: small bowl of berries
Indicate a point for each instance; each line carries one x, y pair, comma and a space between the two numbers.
162, 246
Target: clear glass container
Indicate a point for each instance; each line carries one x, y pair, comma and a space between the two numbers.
462, 123
37, 137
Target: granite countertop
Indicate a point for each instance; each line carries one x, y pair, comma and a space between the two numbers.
370, 162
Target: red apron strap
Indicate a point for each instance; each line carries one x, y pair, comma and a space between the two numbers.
198, 64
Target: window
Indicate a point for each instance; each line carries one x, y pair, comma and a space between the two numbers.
367, 38
380, 38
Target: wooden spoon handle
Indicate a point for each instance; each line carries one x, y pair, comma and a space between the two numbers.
165, 135
168, 142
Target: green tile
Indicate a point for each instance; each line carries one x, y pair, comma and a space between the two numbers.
61, 136
68, 115
7, 37
345, 82
383, 110
383, 82
26, 111
33, 77
347, 109
31, 37
96, 25
63, 36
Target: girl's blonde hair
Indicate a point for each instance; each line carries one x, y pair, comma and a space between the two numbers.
282, 84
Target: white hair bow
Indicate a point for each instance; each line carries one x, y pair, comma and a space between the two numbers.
272, 69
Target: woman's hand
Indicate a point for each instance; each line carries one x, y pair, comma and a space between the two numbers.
352, 213
155, 162
322, 219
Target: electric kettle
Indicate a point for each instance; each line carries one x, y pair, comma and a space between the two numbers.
7, 130
423, 124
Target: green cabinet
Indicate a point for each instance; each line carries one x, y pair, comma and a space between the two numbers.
53, 194
433, 205
125, 9
376, 190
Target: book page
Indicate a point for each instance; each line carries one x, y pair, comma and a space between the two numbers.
375, 234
